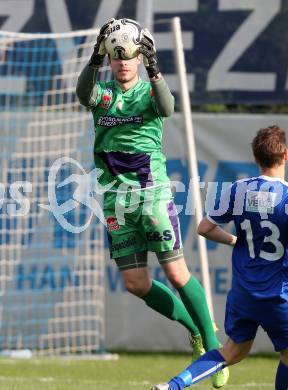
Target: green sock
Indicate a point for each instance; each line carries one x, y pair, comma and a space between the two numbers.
165, 302
193, 297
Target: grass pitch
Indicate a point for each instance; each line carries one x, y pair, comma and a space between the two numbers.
130, 372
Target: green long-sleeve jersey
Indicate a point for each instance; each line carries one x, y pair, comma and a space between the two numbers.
128, 134
126, 121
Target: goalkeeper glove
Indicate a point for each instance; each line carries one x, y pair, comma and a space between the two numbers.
99, 51
147, 48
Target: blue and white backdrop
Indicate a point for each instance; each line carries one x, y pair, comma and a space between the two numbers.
236, 50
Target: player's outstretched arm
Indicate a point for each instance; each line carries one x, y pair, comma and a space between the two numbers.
86, 89
163, 97
213, 232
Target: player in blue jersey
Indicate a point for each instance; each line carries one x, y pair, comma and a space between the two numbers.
258, 206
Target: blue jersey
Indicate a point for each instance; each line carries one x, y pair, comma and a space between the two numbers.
259, 209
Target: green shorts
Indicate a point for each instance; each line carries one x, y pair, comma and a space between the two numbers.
152, 225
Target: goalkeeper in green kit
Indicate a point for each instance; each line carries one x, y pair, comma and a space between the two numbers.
139, 210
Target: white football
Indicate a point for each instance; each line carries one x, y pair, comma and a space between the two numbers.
123, 39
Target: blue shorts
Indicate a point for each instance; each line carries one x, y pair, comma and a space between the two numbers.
244, 314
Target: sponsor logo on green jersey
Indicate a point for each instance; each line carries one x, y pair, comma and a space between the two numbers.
110, 121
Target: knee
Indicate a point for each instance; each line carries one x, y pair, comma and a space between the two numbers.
178, 277
177, 280
138, 288
177, 272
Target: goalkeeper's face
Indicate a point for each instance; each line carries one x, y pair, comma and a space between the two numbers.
125, 71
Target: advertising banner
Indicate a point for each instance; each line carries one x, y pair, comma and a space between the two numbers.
235, 50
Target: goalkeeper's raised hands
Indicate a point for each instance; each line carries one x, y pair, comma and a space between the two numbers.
99, 51
147, 48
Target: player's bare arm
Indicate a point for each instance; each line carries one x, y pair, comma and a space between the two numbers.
213, 232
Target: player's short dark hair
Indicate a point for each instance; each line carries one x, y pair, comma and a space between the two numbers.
269, 146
